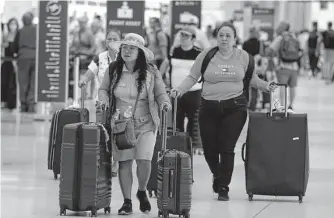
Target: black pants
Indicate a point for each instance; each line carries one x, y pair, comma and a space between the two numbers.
221, 123
188, 106
26, 76
313, 59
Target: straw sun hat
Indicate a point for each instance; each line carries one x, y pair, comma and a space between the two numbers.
138, 41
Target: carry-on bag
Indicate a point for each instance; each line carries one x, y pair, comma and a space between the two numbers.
59, 119
276, 153
174, 190
85, 175
180, 141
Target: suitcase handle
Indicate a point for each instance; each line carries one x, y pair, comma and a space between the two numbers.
164, 130
171, 183
243, 152
285, 100
82, 97
174, 116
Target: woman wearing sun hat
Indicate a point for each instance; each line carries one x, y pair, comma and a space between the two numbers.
133, 75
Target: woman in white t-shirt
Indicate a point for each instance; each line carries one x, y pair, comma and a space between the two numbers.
101, 61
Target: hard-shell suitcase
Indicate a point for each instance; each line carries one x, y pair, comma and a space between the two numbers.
59, 119
85, 178
180, 141
276, 153
174, 179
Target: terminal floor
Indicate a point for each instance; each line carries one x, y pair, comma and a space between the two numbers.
28, 189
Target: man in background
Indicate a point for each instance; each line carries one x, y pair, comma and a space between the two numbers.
24, 47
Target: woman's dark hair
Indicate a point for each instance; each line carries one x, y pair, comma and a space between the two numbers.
228, 24
140, 65
13, 20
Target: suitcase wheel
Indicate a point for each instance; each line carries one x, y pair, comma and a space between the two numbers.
300, 199
93, 213
250, 197
62, 211
187, 215
165, 215
107, 210
151, 192
55, 176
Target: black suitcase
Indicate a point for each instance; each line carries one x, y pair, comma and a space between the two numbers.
277, 154
59, 119
174, 180
180, 141
85, 178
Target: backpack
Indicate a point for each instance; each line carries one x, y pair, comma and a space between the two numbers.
168, 41
248, 74
289, 49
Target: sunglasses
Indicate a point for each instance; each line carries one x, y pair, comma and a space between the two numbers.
185, 35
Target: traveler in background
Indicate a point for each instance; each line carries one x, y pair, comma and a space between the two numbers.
182, 59
132, 76
98, 67
313, 49
289, 54
83, 46
99, 36
9, 66
24, 46
157, 41
100, 62
328, 41
201, 42
254, 47
223, 110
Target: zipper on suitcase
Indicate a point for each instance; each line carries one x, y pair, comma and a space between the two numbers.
77, 168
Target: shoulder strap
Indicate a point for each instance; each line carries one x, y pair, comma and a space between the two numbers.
207, 60
248, 75
135, 107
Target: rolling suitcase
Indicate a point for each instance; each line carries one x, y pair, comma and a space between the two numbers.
174, 190
180, 141
276, 153
59, 119
85, 178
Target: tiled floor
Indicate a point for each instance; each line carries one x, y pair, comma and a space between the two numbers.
28, 190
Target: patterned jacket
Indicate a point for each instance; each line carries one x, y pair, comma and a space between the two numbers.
156, 90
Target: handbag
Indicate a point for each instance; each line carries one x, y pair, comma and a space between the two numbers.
124, 131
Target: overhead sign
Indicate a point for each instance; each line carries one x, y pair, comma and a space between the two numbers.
264, 19
126, 16
184, 13
52, 52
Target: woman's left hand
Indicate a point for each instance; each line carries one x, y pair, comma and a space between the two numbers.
272, 86
166, 106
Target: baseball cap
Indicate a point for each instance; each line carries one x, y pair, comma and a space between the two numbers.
189, 31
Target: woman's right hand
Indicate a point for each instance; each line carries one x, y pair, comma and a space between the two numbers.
82, 83
101, 104
175, 93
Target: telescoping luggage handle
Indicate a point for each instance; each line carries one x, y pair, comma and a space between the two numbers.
164, 130
285, 99
173, 121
